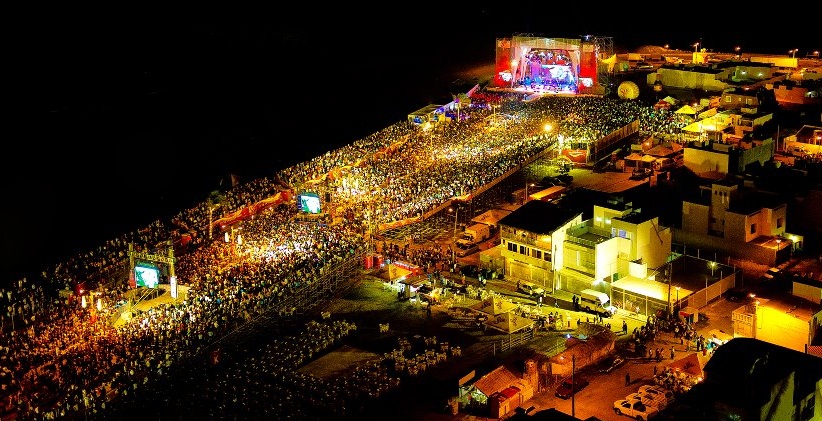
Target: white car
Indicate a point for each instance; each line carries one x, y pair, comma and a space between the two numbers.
531, 289
635, 409
659, 393
650, 399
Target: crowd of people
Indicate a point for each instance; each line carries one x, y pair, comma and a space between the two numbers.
62, 354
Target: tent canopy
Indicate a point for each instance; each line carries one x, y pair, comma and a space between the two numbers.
509, 323
493, 306
686, 109
690, 365
393, 272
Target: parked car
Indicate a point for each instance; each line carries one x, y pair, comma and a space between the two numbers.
641, 173
659, 392
737, 294
464, 249
568, 388
531, 289
611, 363
566, 179
648, 399
771, 274
634, 409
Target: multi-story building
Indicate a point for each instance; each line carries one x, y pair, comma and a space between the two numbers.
732, 156
713, 77
741, 222
723, 210
531, 240
553, 246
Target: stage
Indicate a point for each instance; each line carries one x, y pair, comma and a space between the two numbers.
141, 300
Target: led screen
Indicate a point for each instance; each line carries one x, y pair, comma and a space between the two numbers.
308, 202
146, 276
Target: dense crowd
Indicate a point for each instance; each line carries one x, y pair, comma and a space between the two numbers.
62, 355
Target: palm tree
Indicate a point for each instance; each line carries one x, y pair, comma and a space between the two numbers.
215, 200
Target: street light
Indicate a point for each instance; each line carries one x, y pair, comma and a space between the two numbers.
756, 310
696, 44
526, 192
456, 211
677, 297
793, 53
713, 267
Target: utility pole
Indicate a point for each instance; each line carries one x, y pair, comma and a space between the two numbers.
573, 384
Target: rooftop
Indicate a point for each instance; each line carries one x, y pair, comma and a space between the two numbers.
539, 217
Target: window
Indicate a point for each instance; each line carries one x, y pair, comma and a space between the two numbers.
728, 99
523, 250
780, 222
536, 253
512, 247
753, 228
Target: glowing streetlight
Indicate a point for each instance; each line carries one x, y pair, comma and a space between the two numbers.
737, 48
526, 192
793, 53
696, 44
677, 297
456, 211
713, 267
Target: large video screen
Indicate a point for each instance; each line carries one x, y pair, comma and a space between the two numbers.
308, 202
147, 276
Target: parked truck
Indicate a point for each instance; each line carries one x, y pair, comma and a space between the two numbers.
476, 233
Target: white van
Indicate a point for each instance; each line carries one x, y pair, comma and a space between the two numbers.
593, 301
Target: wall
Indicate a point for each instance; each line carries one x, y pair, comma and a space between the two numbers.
683, 78
700, 161
737, 227
808, 292
606, 259
736, 249
695, 217
761, 154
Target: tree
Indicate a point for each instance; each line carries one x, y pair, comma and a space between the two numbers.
215, 200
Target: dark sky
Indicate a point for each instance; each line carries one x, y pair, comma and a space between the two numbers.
119, 118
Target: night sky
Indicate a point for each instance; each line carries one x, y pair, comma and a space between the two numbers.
118, 121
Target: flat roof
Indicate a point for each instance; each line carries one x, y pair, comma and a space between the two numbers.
652, 289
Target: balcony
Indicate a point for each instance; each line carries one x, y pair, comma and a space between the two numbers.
587, 235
